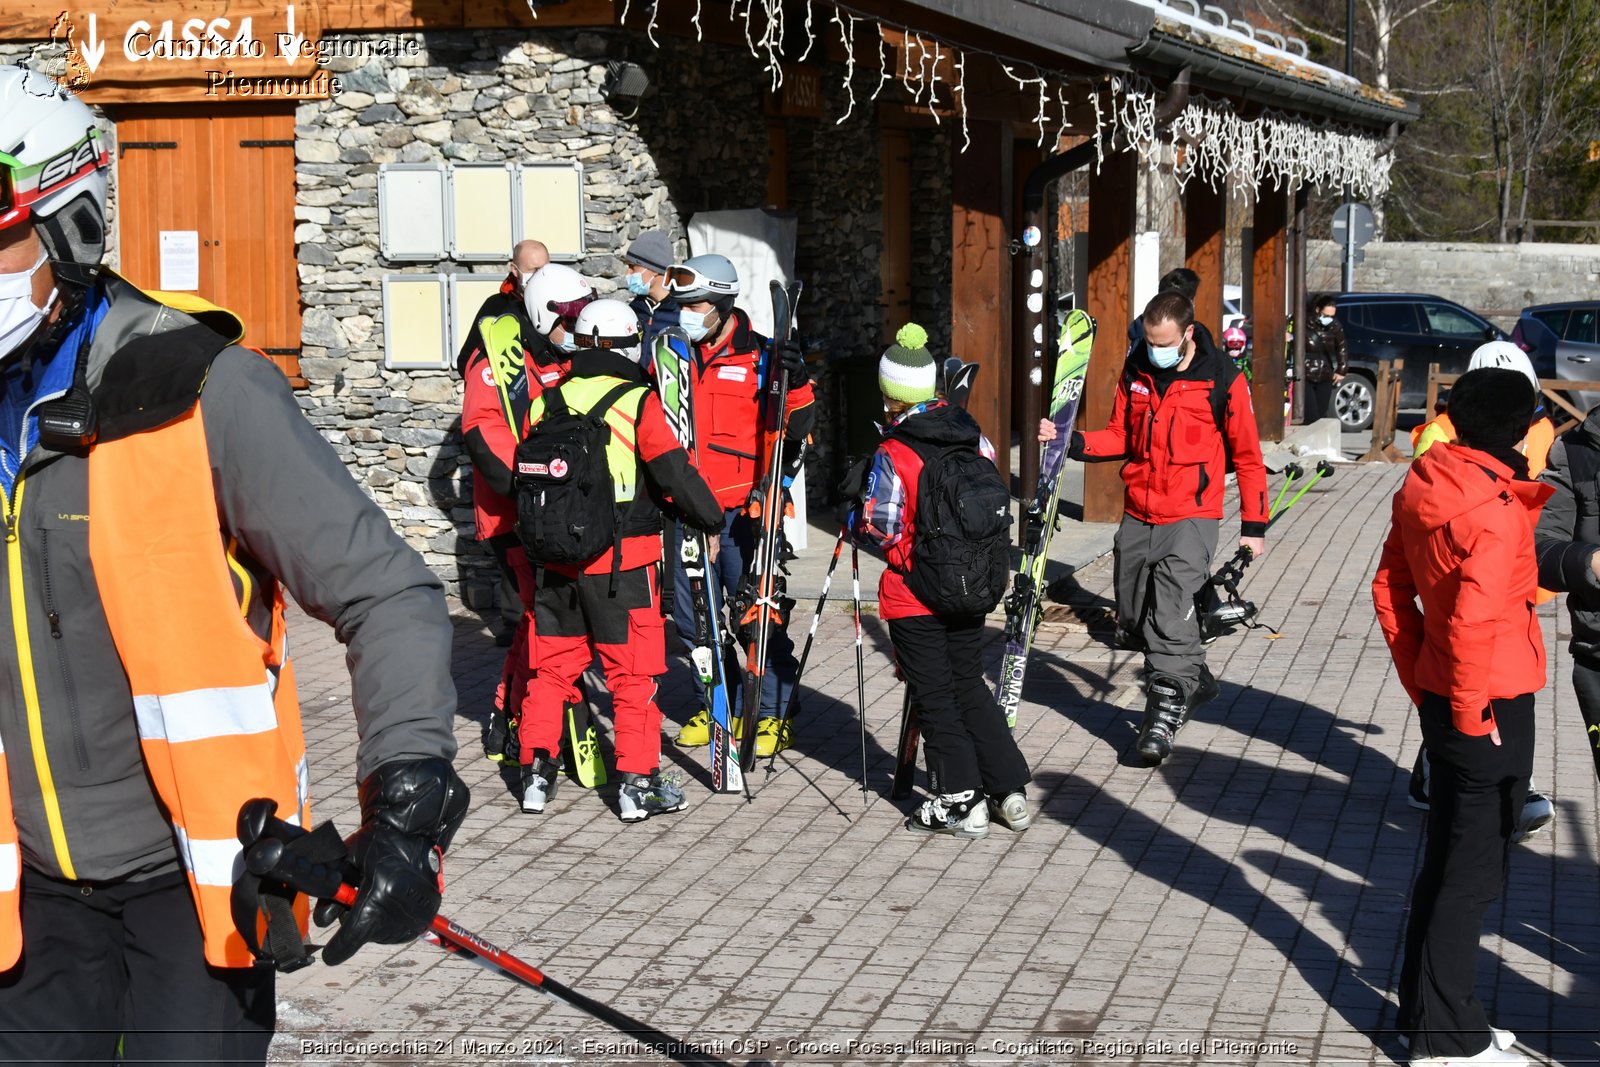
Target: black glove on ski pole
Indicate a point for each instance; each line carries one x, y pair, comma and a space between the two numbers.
267, 857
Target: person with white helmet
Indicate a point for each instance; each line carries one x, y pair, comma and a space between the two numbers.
1537, 811
154, 694
732, 367
1541, 434
554, 296
610, 604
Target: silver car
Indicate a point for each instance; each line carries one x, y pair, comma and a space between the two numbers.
1563, 339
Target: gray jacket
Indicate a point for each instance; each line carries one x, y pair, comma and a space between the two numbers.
294, 512
1568, 534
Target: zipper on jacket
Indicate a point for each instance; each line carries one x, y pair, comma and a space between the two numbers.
30, 687
78, 746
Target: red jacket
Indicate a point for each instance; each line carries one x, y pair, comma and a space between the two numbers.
1462, 542
1176, 460
487, 414
887, 516
729, 380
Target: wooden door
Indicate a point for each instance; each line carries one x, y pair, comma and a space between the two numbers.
229, 176
894, 268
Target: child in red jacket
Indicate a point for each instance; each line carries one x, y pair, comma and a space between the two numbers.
1471, 660
975, 770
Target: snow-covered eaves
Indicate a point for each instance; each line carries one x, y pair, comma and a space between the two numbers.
1256, 65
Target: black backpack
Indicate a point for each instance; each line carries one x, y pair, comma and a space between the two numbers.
961, 547
566, 503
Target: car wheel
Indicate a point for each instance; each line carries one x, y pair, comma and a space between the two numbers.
1353, 402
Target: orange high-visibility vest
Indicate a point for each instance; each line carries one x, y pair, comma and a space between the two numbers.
219, 722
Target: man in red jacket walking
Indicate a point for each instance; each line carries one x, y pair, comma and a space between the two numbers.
1176, 438
1471, 660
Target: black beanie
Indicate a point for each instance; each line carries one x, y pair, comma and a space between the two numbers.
1491, 407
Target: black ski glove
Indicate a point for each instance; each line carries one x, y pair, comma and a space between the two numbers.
794, 362
854, 486
409, 813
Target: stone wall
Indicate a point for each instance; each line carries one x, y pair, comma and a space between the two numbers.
490, 96
1497, 281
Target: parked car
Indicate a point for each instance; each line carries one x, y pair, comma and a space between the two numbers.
1563, 341
1415, 327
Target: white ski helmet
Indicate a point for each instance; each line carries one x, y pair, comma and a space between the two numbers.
709, 277
1505, 355
608, 324
555, 292
53, 166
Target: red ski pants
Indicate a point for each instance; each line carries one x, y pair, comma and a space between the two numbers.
578, 617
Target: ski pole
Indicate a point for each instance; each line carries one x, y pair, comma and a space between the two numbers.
791, 705
861, 676
264, 835
1291, 473
1323, 469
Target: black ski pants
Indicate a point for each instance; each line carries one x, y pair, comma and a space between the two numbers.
1586, 683
126, 960
1476, 796
964, 732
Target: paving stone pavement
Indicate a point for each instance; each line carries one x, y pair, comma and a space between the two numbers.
1242, 904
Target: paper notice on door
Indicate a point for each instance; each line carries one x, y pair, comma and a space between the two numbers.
180, 260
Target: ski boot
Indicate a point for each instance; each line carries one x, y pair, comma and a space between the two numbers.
772, 736
697, 731
538, 782
1164, 712
1011, 811
644, 795
963, 814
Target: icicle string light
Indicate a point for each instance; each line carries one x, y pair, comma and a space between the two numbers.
1218, 145
883, 62
810, 38
847, 36
961, 88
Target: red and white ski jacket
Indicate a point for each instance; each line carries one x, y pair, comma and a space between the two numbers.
494, 415
729, 385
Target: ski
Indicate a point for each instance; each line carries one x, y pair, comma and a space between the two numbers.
674, 355
1025, 604
958, 379
760, 605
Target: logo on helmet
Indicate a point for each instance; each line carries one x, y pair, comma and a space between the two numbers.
69, 164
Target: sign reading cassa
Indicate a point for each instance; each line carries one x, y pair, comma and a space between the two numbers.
118, 51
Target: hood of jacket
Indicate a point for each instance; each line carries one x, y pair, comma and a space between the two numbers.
1449, 480
940, 426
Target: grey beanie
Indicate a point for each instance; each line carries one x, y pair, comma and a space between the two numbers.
652, 250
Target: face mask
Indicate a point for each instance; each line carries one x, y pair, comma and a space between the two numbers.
19, 316
1166, 358
694, 324
568, 343
637, 285
1326, 320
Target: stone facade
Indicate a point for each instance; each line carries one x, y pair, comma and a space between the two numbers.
1497, 281
493, 95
